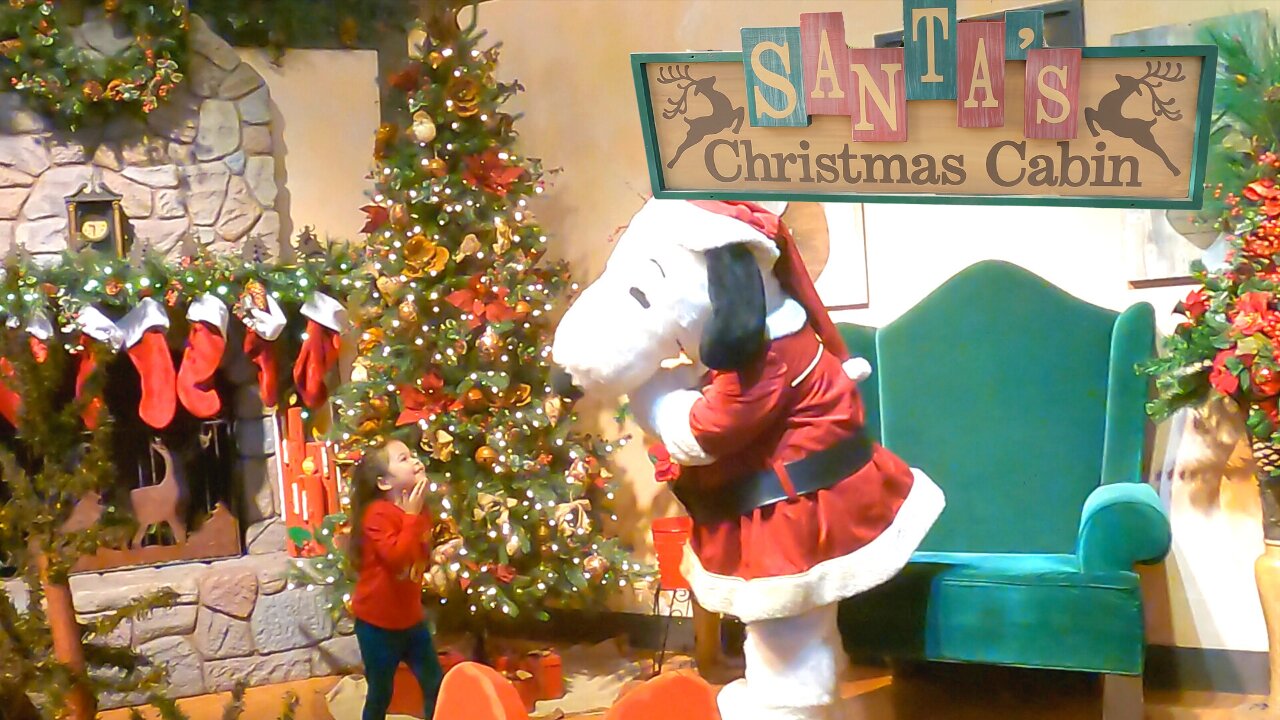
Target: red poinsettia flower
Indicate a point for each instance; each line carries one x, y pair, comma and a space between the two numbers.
664, 468
483, 302
378, 216
422, 403
1222, 379
490, 172
1195, 305
1252, 312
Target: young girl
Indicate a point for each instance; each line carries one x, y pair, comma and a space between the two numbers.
390, 549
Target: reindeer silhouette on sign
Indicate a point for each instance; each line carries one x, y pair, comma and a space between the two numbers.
723, 114
1109, 115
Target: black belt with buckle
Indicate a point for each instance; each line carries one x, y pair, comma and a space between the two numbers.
741, 496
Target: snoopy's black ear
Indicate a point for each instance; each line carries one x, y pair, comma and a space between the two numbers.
735, 334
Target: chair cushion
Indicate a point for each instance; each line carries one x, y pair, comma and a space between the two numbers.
1028, 610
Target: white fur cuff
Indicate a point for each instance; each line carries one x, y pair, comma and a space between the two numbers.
98, 326
209, 309
40, 328
325, 310
148, 314
267, 325
671, 421
857, 368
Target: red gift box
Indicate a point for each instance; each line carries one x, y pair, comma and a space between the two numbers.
527, 686
548, 671
450, 659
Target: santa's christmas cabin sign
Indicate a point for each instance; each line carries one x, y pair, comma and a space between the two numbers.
965, 112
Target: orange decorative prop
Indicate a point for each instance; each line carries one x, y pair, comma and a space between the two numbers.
670, 696
476, 692
669, 538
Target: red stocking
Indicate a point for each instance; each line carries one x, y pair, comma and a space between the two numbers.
318, 356
326, 318
144, 340
263, 354
10, 401
92, 411
206, 341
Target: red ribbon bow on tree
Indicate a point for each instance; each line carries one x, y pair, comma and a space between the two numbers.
378, 216
483, 302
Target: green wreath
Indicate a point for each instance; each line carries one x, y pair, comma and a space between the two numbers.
74, 85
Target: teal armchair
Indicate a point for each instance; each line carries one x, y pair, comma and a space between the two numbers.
1024, 405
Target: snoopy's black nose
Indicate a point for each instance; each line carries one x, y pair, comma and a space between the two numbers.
562, 384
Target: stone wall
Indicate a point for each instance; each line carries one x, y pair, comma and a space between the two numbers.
203, 162
235, 619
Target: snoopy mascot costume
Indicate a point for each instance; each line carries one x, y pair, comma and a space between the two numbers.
794, 508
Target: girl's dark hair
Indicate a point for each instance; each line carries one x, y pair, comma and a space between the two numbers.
364, 490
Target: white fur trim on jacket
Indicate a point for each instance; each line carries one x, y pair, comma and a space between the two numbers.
857, 368
325, 310
146, 315
786, 320
98, 326
209, 309
671, 421
829, 581
268, 325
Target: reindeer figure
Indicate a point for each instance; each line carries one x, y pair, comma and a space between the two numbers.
723, 114
1109, 115
166, 502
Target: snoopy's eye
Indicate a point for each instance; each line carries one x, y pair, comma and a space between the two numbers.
640, 297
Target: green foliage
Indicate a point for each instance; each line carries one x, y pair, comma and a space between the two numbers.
58, 464
74, 85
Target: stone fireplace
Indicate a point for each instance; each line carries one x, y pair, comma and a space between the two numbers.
204, 166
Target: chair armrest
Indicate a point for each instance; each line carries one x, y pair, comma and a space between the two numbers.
1122, 524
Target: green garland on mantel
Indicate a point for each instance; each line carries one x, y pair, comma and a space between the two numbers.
281, 24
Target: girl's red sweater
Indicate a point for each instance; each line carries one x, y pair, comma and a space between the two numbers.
395, 556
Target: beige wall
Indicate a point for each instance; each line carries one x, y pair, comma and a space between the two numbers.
326, 109
581, 116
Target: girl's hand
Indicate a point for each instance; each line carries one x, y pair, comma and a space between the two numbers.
412, 502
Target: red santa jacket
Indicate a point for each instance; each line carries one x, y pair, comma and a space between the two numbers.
813, 549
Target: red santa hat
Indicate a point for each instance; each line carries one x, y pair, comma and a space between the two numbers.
722, 222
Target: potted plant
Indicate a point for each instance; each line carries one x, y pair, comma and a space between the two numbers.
1228, 345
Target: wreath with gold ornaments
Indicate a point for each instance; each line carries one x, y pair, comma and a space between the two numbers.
75, 84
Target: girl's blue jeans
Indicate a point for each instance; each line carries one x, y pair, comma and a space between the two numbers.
383, 651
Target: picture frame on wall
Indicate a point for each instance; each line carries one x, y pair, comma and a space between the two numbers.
832, 239
1161, 244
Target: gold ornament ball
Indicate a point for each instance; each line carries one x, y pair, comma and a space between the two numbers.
399, 216
435, 58
408, 311
523, 308
595, 566
486, 456
475, 399
437, 167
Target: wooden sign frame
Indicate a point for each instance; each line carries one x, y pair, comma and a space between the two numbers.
1193, 198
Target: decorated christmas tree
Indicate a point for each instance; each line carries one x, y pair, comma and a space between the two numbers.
453, 352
